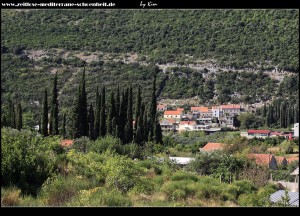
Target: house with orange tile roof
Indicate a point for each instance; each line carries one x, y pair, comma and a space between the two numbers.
212, 147
66, 142
281, 160
173, 114
264, 160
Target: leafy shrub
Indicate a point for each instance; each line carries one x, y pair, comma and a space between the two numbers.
121, 173
89, 165
244, 187
175, 190
59, 190
179, 176
27, 160
107, 143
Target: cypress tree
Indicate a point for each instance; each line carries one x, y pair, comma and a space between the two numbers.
153, 101
53, 129
111, 115
296, 113
91, 123
145, 126
138, 103
102, 114
44, 129
139, 128
97, 115
158, 133
123, 115
129, 128
63, 131
19, 123
11, 117
117, 115
83, 107
282, 115
264, 111
76, 119
40, 124
4, 121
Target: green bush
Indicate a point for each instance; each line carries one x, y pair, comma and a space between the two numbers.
96, 197
175, 190
179, 176
59, 190
89, 165
27, 160
122, 173
245, 187
107, 143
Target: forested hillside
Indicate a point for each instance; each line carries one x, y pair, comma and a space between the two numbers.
125, 46
239, 38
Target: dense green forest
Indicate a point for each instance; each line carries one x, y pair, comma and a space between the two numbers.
238, 38
232, 39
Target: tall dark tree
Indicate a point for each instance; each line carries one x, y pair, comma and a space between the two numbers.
19, 122
157, 133
123, 115
129, 127
53, 127
117, 116
63, 129
91, 123
83, 107
296, 113
44, 129
282, 115
97, 113
79, 111
146, 126
11, 117
102, 132
76, 123
139, 127
138, 103
111, 115
153, 103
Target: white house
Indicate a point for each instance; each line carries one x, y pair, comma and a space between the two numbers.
231, 109
215, 111
173, 114
191, 126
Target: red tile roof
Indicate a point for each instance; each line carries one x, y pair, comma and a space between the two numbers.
180, 109
258, 131
172, 112
263, 159
200, 109
213, 146
66, 142
187, 123
231, 106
